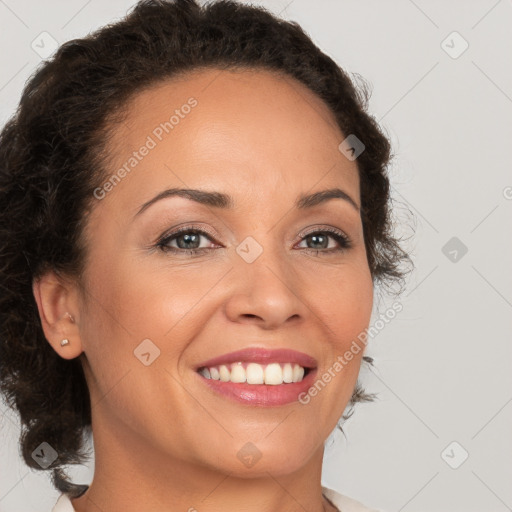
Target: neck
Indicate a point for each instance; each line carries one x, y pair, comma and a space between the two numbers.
131, 476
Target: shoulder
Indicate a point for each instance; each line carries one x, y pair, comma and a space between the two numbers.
63, 505
344, 503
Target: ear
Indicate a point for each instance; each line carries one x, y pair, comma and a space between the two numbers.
58, 305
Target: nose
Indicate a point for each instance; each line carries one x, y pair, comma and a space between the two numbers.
266, 292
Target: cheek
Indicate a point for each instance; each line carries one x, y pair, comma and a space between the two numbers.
345, 300
125, 306
134, 302
344, 308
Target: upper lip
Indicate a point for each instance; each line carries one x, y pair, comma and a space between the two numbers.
262, 356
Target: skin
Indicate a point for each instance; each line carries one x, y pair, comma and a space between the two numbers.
162, 439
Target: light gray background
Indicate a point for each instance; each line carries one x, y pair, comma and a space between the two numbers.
443, 365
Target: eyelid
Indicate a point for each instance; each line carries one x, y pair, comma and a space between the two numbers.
187, 227
324, 229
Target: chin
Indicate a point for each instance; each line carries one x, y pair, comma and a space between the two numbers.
256, 459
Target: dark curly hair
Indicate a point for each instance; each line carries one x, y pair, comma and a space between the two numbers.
53, 152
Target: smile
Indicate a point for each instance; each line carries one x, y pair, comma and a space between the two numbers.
259, 394
272, 374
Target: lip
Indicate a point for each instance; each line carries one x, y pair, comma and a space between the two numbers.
261, 395
262, 356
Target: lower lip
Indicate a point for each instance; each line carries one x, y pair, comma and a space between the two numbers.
261, 394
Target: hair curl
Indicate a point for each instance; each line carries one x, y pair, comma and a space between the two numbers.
53, 154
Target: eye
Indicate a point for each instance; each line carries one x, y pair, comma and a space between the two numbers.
319, 241
185, 240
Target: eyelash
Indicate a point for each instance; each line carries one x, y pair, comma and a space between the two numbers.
342, 239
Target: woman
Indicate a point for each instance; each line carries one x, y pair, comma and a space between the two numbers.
196, 215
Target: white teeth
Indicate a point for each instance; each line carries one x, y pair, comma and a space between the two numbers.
287, 373
254, 373
224, 373
298, 373
238, 373
272, 374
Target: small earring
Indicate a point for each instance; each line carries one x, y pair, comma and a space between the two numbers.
64, 342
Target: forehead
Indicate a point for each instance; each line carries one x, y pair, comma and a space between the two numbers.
252, 128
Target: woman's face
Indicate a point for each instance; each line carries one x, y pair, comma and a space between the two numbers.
266, 275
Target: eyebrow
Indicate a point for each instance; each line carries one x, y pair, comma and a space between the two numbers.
221, 200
